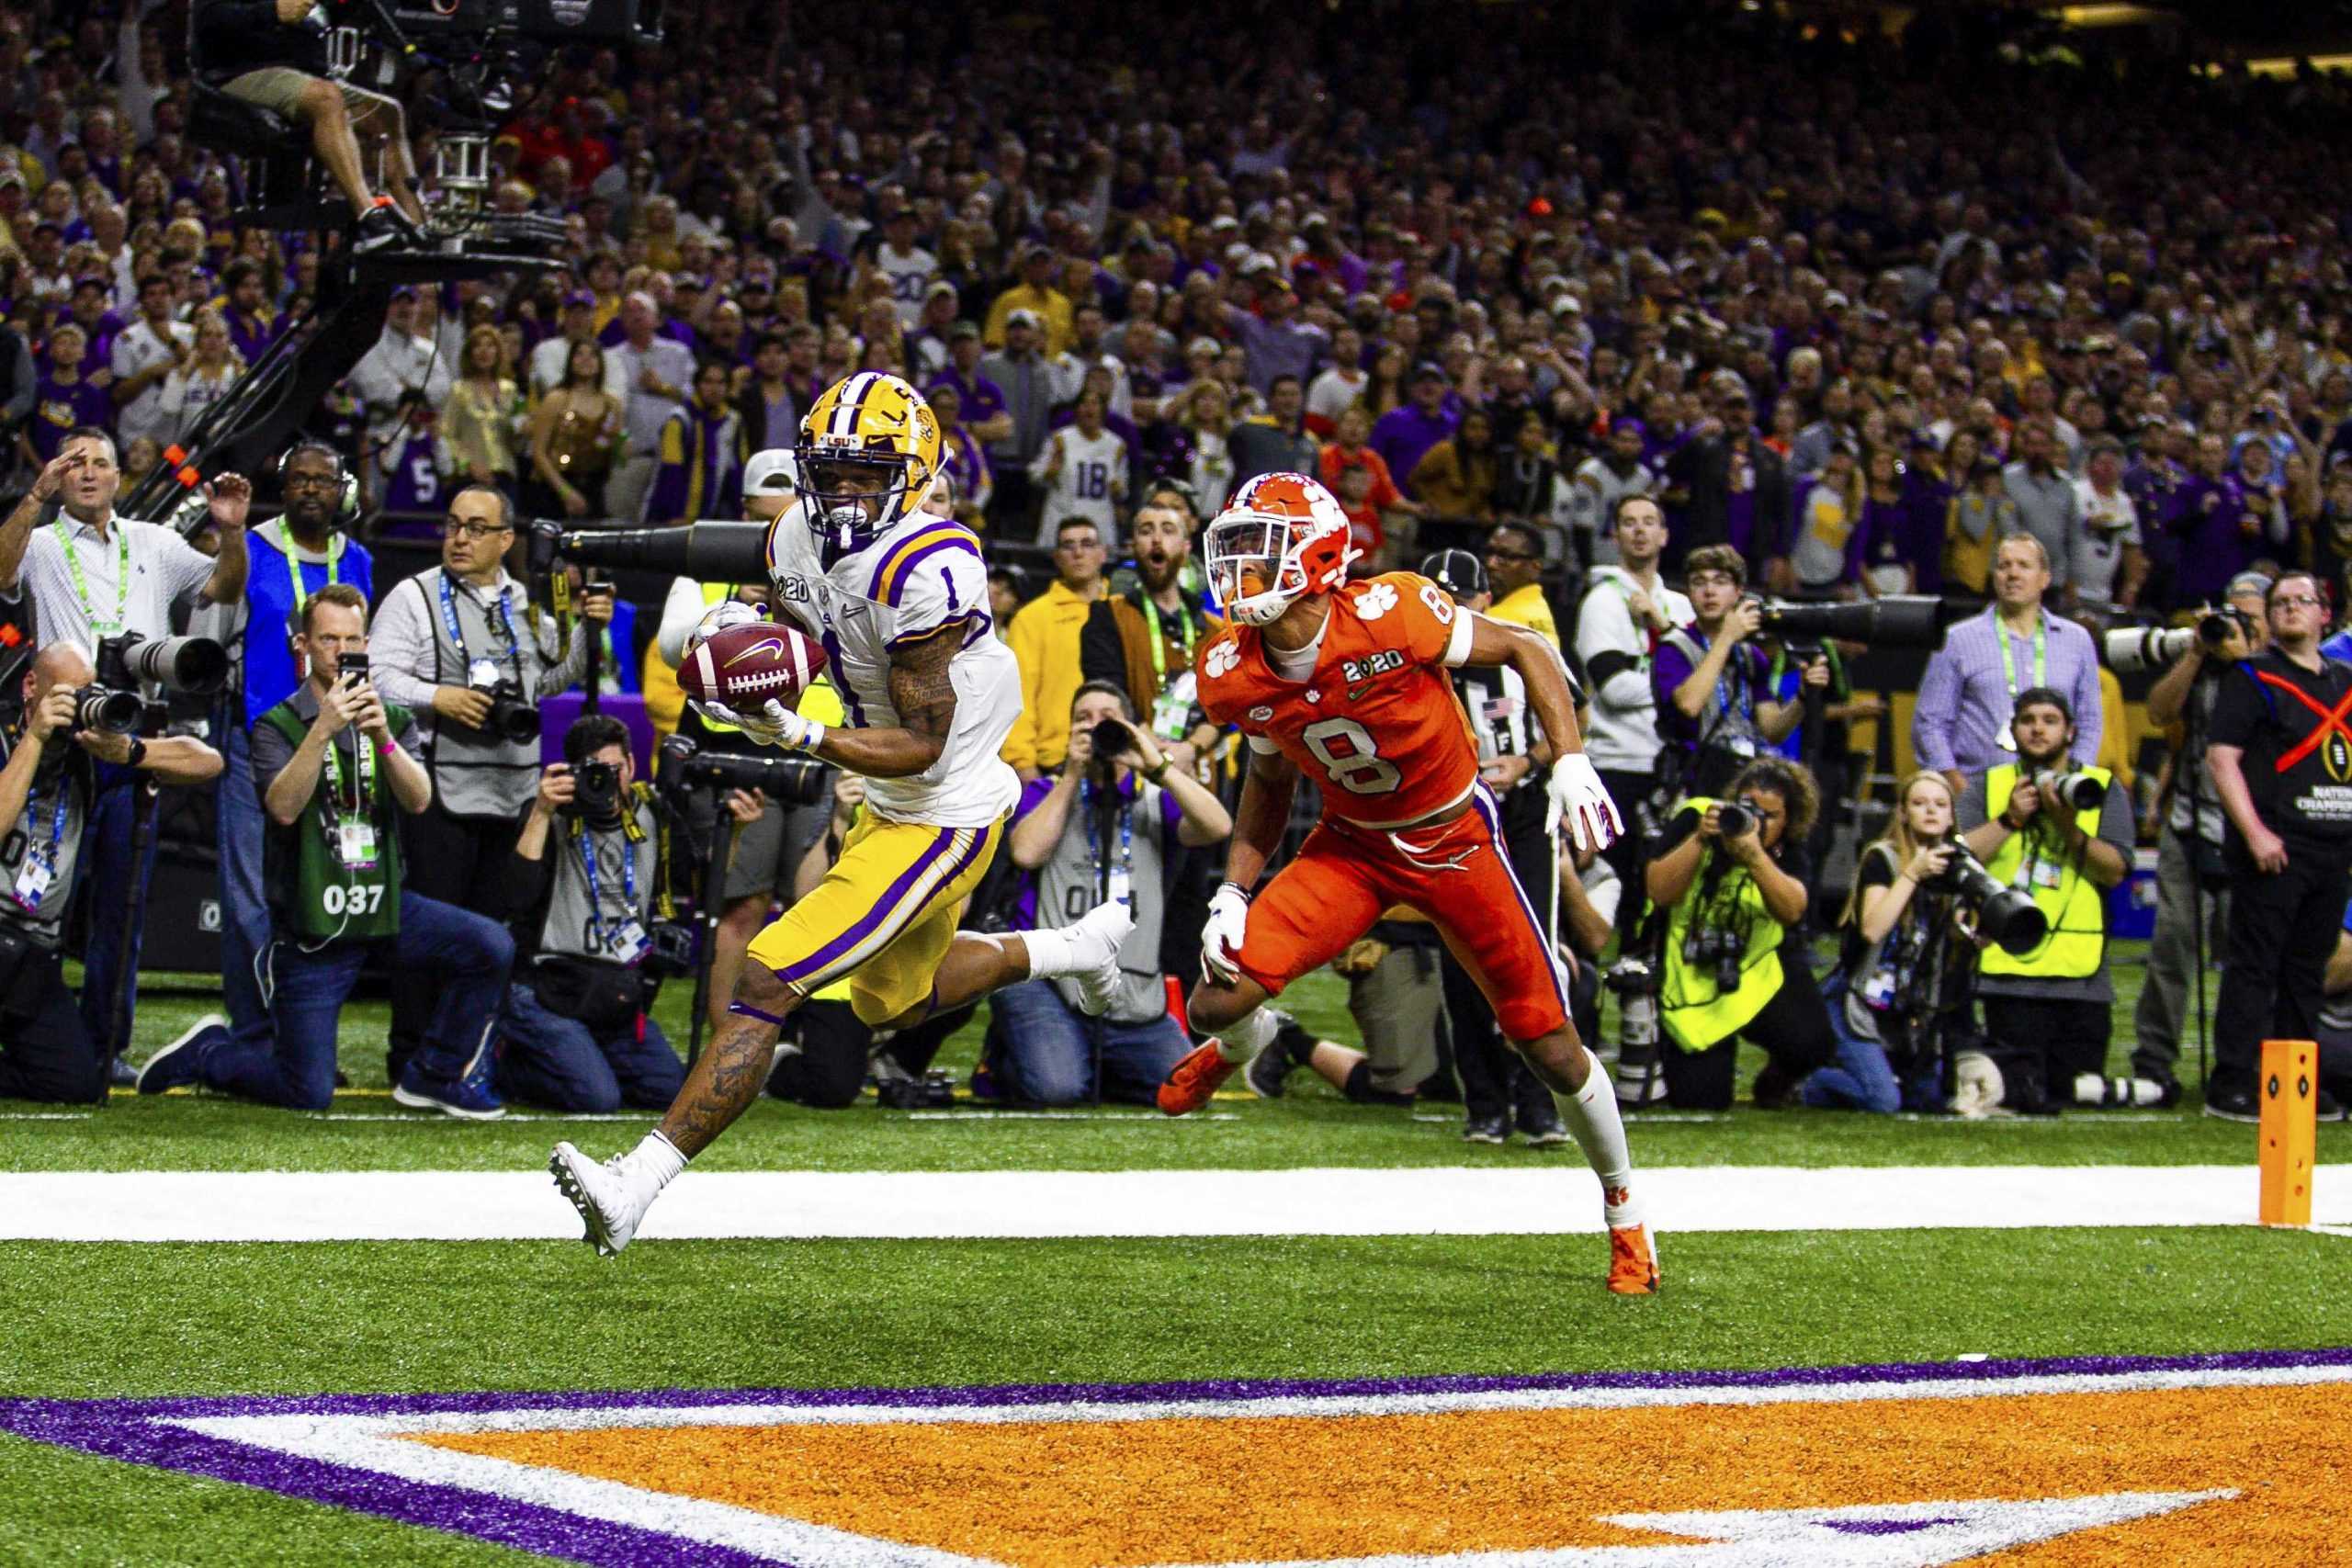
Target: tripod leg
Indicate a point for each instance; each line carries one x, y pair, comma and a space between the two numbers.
714, 891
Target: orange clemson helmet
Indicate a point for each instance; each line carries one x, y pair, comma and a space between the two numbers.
1280, 537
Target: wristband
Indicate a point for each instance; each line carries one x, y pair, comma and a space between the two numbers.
137, 751
385, 748
1158, 773
1236, 888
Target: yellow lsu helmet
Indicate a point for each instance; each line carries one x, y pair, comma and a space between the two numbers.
869, 452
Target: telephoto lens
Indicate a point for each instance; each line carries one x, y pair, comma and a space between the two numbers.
108, 712
1734, 820
1111, 739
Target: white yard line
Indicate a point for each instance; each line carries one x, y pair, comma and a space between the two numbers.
501, 1205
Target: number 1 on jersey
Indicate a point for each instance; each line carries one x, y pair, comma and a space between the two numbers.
1361, 770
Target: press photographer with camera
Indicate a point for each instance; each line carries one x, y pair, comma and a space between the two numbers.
1901, 997
590, 879
70, 725
2192, 874
95, 579
2060, 832
1104, 827
337, 768
464, 649
1715, 709
2279, 759
1731, 876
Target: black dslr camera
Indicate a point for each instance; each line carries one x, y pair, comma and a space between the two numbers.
669, 953
795, 781
595, 793
1723, 952
1733, 819
107, 711
511, 717
116, 703
2010, 919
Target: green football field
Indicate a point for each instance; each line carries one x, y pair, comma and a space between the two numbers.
100, 1321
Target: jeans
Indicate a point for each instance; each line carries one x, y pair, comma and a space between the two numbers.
289, 1058
547, 1059
45, 1052
461, 861
106, 846
245, 907
1863, 1079
1049, 1052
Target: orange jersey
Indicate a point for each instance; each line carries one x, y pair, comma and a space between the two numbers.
1376, 725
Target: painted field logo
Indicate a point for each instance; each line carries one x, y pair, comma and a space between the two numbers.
2123, 1461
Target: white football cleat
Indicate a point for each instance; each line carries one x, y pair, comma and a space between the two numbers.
1094, 943
612, 1197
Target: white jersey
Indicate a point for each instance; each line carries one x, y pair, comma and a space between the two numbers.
921, 576
1091, 483
910, 273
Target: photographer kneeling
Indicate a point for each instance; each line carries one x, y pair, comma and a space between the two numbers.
1900, 996
2064, 838
576, 1035
46, 790
335, 769
1732, 878
1104, 827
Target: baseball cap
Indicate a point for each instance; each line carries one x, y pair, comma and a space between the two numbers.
2248, 582
1428, 369
579, 297
963, 330
1022, 318
773, 472
1459, 572
941, 289
1203, 346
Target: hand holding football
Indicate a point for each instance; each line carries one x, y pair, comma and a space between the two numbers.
744, 663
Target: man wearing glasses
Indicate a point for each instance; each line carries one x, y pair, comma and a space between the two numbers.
289, 560
445, 641
1515, 569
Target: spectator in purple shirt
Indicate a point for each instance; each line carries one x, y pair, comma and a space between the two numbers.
1405, 434
252, 326
981, 399
66, 398
1278, 343
2224, 530
99, 323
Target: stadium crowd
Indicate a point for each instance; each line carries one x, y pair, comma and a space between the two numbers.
1597, 304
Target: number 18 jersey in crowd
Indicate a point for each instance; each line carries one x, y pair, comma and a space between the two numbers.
1375, 724
923, 576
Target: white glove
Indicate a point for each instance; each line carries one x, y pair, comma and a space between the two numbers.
774, 725
1577, 796
1221, 937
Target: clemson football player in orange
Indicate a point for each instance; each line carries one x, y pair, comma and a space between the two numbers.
1347, 683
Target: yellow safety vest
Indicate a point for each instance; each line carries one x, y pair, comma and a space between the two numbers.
2077, 944
1695, 1013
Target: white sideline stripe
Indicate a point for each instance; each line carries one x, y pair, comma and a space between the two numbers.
200, 1206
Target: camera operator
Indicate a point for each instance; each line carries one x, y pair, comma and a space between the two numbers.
47, 1050
1103, 829
1962, 724
337, 768
589, 874
2048, 1011
90, 576
1732, 877
1713, 683
1903, 984
2192, 876
278, 50
463, 649
2279, 757
1627, 608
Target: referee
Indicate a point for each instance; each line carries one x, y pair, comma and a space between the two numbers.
89, 576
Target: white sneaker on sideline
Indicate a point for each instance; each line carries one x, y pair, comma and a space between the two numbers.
1094, 943
612, 1197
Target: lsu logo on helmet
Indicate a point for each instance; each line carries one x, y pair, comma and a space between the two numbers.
869, 453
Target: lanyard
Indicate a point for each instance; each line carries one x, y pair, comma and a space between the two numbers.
285, 542
82, 583
2009, 661
1122, 875
457, 633
1159, 642
595, 928
1738, 675
364, 791
56, 822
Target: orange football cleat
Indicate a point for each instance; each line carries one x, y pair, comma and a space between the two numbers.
1633, 1262
1193, 1079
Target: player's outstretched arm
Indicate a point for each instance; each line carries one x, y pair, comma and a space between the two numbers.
924, 695
1261, 817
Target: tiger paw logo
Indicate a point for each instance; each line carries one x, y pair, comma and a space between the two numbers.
1376, 601
1223, 659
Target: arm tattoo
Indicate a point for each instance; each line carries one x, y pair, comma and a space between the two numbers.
920, 687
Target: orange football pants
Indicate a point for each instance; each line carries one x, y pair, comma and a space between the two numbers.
1457, 875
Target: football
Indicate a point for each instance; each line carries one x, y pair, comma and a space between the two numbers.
741, 665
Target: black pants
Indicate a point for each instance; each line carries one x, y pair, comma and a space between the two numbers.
1793, 1030
460, 860
1629, 852
829, 1071
1496, 1080
45, 1048
2282, 930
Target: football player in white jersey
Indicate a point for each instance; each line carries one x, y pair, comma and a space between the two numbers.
898, 600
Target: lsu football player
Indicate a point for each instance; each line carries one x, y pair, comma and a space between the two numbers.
899, 599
